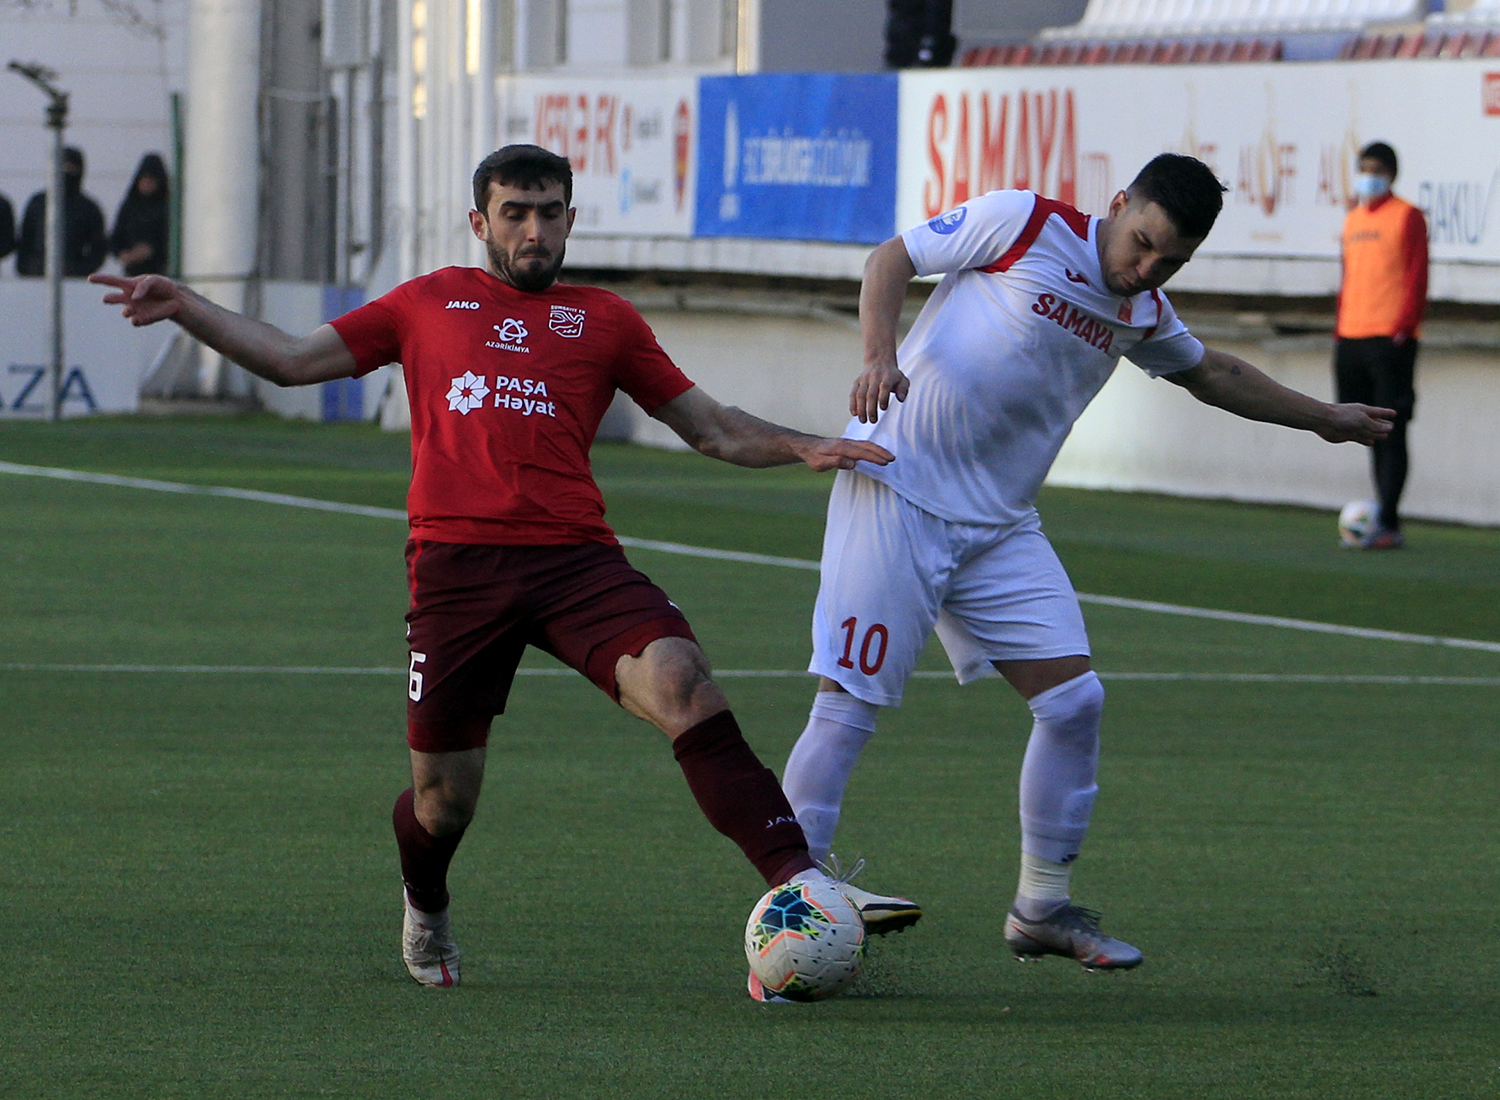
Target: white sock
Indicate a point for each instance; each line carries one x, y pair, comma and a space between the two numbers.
1043, 888
1057, 775
818, 769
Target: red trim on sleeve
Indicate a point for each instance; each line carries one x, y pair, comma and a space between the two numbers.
1075, 220
1414, 274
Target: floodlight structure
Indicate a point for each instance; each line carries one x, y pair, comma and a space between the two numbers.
57, 121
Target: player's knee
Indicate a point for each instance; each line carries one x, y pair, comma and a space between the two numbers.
1076, 704
443, 815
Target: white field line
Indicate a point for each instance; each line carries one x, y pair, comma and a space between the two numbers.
751, 559
783, 674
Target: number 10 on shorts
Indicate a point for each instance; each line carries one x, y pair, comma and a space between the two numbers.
876, 638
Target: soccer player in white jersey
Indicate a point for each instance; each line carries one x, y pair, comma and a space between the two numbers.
1037, 304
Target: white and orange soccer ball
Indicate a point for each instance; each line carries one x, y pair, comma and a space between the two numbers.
804, 941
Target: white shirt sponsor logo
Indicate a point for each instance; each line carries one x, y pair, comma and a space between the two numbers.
510, 336
467, 393
457, 304
527, 396
566, 321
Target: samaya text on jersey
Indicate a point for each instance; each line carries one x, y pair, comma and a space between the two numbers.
1074, 320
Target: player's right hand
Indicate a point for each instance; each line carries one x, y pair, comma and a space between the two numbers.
145, 299
1354, 423
873, 390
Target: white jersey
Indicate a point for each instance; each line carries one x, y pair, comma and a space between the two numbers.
1009, 350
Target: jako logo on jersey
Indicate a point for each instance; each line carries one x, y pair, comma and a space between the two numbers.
1125, 311
462, 305
1075, 277
510, 336
949, 222
1068, 316
467, 393
566, 321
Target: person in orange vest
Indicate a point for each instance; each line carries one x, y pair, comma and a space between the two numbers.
1381, 301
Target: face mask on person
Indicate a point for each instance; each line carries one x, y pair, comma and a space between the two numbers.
1368, 186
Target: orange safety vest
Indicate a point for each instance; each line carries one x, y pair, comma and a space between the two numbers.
1384, 289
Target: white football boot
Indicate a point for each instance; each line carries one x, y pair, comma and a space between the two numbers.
428, 949
882, 913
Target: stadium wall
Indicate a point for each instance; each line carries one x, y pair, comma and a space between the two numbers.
795, 366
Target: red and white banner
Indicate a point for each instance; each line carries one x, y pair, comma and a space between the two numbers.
632, 143
1282, 136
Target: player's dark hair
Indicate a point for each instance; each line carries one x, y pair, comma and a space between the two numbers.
1379, 150
1185, 188
529, 167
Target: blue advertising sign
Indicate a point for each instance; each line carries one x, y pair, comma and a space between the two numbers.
797, 156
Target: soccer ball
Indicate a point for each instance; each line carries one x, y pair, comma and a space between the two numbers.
1356, 520
804, 941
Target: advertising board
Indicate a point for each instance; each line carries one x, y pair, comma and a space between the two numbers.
798, 157
631, 142
1283, 137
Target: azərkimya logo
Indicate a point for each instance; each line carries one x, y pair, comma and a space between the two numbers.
510, 335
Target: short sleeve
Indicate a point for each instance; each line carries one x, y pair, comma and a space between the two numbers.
974, 234
642, 369
372, 333
1169, 347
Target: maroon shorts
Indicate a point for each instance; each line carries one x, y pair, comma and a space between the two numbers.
475, 608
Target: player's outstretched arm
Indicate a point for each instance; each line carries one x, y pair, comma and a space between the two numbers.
1235, 386
258, 347
881, 296
733, 435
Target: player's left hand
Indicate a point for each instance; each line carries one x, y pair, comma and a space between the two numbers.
1358, 424
842, 454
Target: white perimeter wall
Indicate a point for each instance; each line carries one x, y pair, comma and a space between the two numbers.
1139, 434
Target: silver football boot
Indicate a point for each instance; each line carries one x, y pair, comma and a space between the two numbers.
1071, 932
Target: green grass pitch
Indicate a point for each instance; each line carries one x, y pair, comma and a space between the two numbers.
200, 891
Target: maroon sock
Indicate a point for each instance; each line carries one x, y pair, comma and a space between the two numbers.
424, 857
741, 798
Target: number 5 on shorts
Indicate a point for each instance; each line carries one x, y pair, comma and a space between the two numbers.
878, 632
414, 681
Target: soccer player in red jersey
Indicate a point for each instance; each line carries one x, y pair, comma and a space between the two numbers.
508, 373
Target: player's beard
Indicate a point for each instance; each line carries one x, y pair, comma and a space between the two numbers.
527, 278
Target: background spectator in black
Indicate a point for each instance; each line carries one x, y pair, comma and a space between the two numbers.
7, 227
139, 238
83, 237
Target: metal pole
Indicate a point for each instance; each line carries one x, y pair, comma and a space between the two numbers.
56, 223
57, 119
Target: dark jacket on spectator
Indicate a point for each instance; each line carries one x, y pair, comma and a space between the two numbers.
7, 227
83, 236
143, 219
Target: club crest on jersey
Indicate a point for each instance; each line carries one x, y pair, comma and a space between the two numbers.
949, 222
1125, 311
566, 321
510, 336
1068, 316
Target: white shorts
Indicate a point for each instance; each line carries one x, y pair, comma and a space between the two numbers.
892, 572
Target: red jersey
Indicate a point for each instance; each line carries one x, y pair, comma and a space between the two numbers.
507, 389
